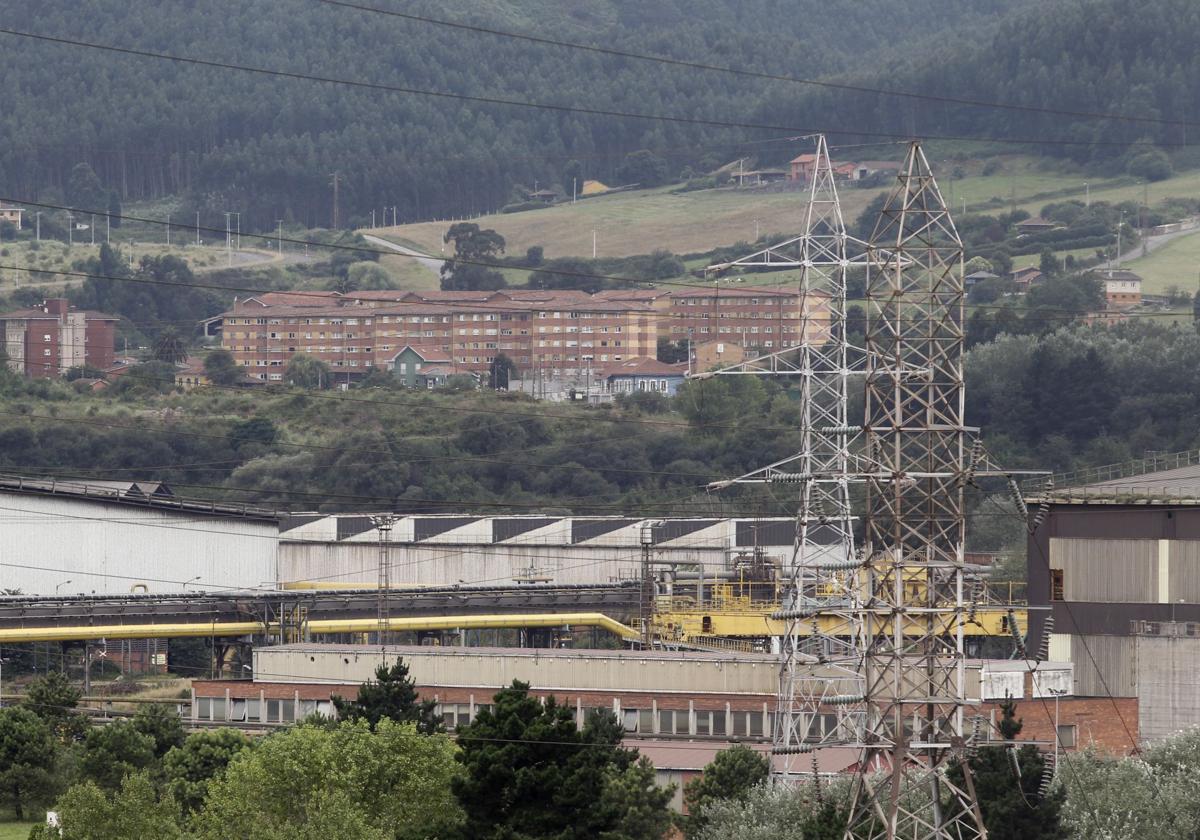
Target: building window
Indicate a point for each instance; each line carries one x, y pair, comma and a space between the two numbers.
1056, 584
1066, 736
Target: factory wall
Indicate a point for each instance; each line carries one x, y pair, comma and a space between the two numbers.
440, 550
106, 547
544, 669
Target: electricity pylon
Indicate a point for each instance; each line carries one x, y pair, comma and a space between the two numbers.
919, 456
819, 669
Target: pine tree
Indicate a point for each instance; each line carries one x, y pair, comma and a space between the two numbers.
393, 695
1008, 783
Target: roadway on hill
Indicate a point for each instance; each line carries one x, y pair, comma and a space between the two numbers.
431, 263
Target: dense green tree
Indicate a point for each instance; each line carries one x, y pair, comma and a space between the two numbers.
203, 756
531, 772
54, 698
770, 812
305, 371
368, 275
162, 724
113, 751
317, 782
256, 430
221, 368
84, 190
133, 812
643, 168
27, 756
731, 775
1008, 782
392, 695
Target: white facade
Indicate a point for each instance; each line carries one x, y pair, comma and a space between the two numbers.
110, 547
343, 551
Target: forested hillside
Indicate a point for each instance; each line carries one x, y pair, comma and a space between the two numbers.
267, 146
1132, 57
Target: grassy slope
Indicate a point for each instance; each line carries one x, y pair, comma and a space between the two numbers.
1174, 264
642, 221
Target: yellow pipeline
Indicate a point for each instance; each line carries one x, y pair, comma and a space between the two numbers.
340, 625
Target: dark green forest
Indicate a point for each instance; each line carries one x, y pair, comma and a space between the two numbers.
1127, 57
222, 139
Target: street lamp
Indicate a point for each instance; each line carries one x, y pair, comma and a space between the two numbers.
193, 580
59, 586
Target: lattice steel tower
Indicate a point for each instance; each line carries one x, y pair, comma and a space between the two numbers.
820, 649
917, 450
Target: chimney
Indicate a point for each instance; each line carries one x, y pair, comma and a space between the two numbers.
56, 306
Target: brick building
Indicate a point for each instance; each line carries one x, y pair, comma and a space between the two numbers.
47, 341
664, 699
547, 334
760, 319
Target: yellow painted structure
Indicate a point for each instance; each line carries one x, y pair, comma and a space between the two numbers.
341, 625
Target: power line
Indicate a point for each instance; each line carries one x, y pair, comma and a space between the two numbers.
697, 65
570, 109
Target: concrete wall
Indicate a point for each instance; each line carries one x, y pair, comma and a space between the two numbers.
1168, 679
107, 548
544, 669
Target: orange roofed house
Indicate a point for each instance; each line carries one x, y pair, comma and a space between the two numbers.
48, 340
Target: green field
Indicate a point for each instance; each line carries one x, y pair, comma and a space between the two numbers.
1176, 263
12, 830
642, 221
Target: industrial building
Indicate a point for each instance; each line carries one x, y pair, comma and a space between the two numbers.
669, 702
1115, 563
112, 537
342, 550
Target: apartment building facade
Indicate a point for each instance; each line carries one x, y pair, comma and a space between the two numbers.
46, 341
551, 332
547, 334
758, 319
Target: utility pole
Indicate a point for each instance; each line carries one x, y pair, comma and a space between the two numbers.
384, 523
70, 230
280, 238
168, 230
646, 596
92, 229
574, 189
593, 243
334, 177
228, 240
372, 220
37, 220
197, 227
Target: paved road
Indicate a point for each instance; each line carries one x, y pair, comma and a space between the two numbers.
432, 263
1153, 243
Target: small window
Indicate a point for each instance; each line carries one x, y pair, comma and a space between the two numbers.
1066, 735
1056, 585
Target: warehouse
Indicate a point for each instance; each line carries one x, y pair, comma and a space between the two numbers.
344, 550
1115, 563
111, 537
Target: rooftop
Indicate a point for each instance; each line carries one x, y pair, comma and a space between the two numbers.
1171, 478
152, 494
